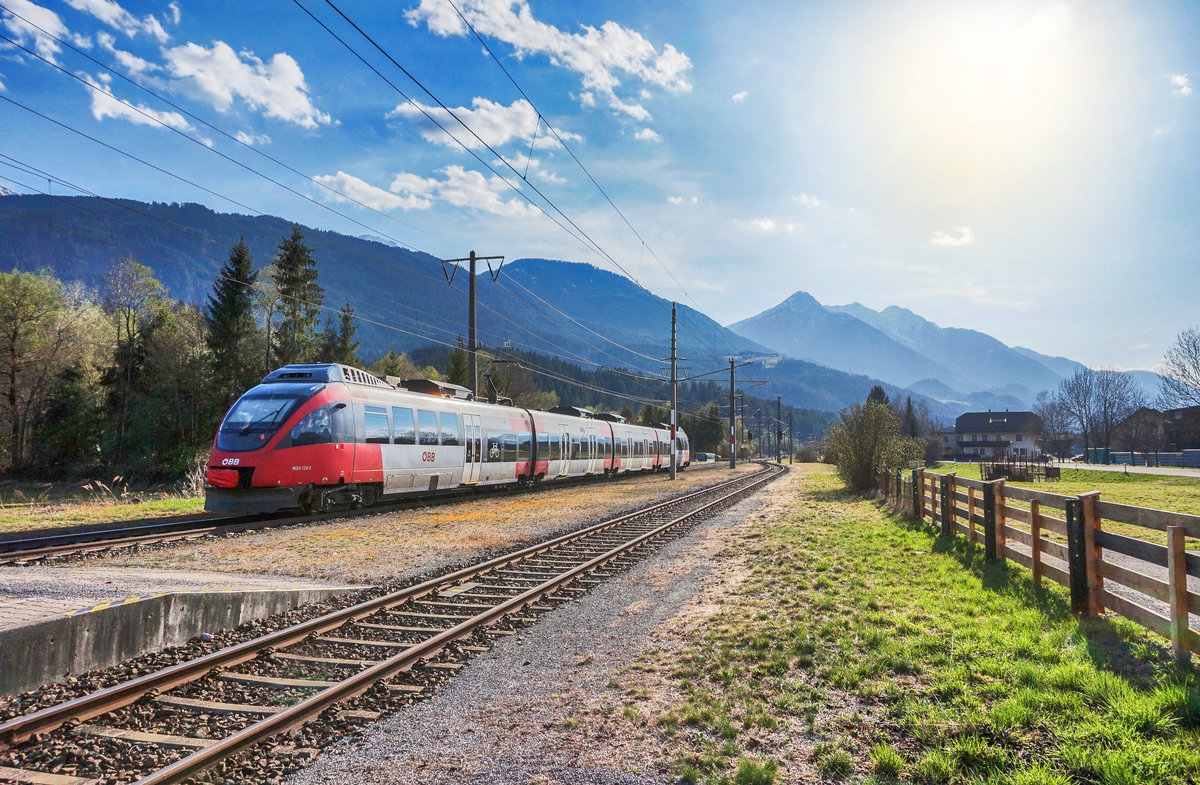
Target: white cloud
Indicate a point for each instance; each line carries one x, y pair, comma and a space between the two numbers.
764, 225
808, 200
104, 104
740, 97
1180, 84
958, 235
3, 89
116, 17
467, 188
357, 190
598, 55
219, 75
176, 14
252, 139
495, 123
23, 18
460, 187
683, 200
648, 135
130, 62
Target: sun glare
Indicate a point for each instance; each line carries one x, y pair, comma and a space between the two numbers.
972, 95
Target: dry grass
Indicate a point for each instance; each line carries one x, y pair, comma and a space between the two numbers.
372, 549
25, 516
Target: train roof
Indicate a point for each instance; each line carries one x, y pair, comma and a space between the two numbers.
323, 372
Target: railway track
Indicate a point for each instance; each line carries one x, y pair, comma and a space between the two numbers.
213, 718
72, 541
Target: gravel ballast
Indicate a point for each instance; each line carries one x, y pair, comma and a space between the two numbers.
539, 707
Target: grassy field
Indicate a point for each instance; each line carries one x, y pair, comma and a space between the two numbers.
887, 654
40, 515
1178, 494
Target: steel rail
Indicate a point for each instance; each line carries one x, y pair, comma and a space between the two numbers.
299, 713
103, 701
84, 538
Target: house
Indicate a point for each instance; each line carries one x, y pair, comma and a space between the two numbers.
998, 434
1143, 431
1181, 428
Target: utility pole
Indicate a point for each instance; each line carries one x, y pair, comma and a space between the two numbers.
778, 429
472, 343
732, 421
674, 390
791, 443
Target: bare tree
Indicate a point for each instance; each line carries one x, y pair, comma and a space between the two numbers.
1056, 434
1117, 397
1180, 374
1077, 395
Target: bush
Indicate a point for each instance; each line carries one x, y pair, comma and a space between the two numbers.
868, 437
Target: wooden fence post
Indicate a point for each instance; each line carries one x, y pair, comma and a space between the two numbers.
899, 489
1077, 558
943, 503
971, 514
989, 521
916, 493
951, 485
1177, 576
1091, 551
1000, 521
1035, 532
921, 496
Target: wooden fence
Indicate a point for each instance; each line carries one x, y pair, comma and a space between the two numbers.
1001, 516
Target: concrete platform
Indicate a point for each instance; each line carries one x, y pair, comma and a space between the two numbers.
57, 621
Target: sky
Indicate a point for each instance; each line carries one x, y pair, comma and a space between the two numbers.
1027, 169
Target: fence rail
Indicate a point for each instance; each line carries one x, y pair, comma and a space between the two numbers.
1142, 580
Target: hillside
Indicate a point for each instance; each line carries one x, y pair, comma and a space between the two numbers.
585, 315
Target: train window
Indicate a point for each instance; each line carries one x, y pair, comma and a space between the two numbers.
404, 430
451, 429
495, 448
524, 446
543, 446
257, 416
376, 425
427, 426
315, 428
510, 446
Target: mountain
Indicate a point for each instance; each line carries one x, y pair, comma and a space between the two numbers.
801, 327
575, 312
979, 361
1060, 365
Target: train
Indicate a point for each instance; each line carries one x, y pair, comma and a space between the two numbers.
320, 435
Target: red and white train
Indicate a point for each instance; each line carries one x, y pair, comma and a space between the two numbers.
315, 435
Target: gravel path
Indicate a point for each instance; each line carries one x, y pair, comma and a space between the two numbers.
541, 706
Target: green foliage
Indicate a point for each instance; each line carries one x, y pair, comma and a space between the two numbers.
459, 367
402, 367
878, 395
300, 297
866, 438
337, 343
233, 335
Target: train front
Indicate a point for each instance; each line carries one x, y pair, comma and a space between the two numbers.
279, 442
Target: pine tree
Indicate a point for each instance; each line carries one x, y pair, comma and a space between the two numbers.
296, 338
912, 427
232, 335
457, 373
879, 395
338, 344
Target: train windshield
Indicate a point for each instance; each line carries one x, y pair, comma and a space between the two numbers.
258, 415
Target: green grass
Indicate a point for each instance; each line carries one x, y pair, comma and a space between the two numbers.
1178, 494
906, 656
21, 518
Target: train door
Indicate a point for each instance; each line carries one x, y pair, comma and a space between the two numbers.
474, 454
564, 453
